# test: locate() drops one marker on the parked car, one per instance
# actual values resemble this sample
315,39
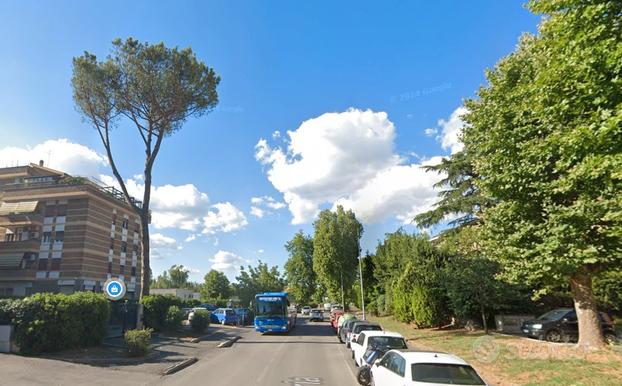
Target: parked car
186,311
398,367
334,318
340,322
363,375
209,307
367,339
316,316
336,307
306,310
561,325
357,328
225,316
345,329
193,310
328,306
244,315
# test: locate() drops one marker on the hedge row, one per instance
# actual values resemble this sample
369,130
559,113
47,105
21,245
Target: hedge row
51,322
156,313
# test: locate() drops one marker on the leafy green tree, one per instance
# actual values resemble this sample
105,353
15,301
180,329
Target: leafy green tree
162,281
254,280
299,272
336,250
179,276
216,286
156,88
545,140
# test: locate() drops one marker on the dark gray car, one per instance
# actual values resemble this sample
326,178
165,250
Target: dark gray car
343,332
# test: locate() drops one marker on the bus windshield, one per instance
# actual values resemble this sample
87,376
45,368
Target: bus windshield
270,307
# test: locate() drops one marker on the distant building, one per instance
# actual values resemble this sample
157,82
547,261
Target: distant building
60,233
181,293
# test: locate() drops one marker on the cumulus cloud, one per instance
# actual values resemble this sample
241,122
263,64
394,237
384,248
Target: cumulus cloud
257,212
346,158
161,241
451,130
228,263
262,206
61,154
191,237
430,132
223,217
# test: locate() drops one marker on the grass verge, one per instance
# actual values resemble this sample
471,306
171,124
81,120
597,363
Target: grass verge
510,360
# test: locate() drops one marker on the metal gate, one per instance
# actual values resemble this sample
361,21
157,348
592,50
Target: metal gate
123,317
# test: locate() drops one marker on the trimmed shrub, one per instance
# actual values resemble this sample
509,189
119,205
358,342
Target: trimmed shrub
155,308
200,321
137,342
53,322
173,318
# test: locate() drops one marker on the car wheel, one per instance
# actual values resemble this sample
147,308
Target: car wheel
222,322
553,336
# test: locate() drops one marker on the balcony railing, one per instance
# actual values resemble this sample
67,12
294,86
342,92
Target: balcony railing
43,182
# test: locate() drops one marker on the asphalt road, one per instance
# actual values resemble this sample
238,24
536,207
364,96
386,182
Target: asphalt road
308,355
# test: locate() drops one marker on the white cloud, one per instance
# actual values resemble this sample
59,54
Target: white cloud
276,134
223,217
228,263
451,130
430,132
346,158
257,212
260,251
191,237
262,206
161,241
61,154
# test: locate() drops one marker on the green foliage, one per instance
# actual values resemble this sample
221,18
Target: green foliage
216,286
608,291
200,321
299,272
51,322
175,277
137,342
156,307
253,280
173,318
336,250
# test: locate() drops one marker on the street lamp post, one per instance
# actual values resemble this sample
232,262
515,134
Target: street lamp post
362,289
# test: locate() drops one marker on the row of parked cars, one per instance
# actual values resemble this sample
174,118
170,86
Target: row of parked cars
230,316
383,358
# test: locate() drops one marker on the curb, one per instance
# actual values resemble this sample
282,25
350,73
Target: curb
180,365
230,342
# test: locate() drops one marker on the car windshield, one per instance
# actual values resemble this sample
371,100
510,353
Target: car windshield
553,315
229,312
270,307
393,342
366,327
445,373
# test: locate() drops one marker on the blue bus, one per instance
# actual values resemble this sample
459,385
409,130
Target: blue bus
273,313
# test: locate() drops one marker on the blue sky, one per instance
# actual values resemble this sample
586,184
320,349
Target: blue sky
282,63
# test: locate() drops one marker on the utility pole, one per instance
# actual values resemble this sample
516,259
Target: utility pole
362,290
343,304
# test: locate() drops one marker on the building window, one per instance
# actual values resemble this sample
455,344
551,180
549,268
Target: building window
133,271
61,210
47,236
114,219
125,223
6,291
43,264
111,244
59,236
55,266
122,269
124,246
109,267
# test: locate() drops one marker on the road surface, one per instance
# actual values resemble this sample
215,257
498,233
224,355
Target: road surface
308,355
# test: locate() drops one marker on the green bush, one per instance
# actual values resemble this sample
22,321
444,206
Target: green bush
200,321
52,322
137,342
173,318
155,308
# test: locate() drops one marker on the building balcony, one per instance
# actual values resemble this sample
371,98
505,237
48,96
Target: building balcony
31,245
21,219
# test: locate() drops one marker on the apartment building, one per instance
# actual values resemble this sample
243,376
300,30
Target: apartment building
60,233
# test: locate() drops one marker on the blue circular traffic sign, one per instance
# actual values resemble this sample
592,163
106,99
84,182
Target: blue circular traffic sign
114,289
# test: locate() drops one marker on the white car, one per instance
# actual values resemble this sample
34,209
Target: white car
306,310
366,339
398,367
357,328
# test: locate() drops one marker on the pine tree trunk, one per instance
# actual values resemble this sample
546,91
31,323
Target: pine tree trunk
590,333
145,279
